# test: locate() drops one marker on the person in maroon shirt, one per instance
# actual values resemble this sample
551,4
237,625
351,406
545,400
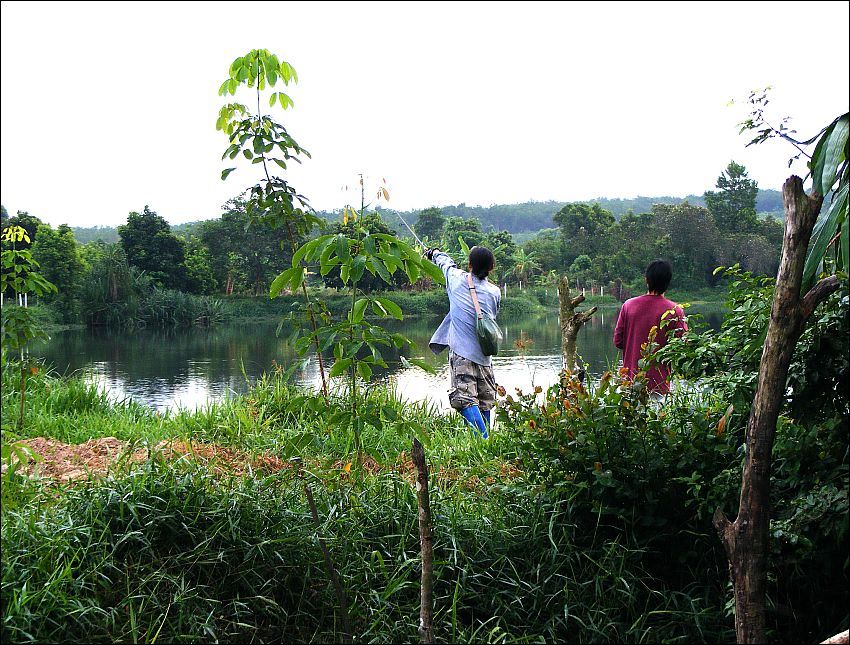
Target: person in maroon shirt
637,318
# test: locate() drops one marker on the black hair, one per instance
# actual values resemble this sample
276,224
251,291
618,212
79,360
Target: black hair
658,274
481,261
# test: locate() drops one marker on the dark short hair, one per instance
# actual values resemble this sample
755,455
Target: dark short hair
658,274
481,261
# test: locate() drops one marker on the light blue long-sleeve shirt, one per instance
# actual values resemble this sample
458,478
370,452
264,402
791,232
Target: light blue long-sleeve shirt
457,331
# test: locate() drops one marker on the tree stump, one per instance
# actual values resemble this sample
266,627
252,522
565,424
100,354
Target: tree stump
571,323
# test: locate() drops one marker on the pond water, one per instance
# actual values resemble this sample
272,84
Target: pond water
189,368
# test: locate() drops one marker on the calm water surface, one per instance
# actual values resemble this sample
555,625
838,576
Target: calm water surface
190,368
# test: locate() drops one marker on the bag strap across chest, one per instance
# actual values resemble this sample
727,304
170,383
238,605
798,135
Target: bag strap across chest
474,296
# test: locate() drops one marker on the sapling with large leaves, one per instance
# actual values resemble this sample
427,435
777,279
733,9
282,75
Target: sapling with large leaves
356,341
263,141
19,327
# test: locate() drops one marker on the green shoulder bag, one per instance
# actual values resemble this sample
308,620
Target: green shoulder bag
487,330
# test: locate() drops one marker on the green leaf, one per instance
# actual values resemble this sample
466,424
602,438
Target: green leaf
340,367
423,365
342,248
279,282
412,270
825,229
272,99
365,371
369,245
297,277
226,172
381,270
327,342
358,265
820,176
834,153
358,310
392,308
433,272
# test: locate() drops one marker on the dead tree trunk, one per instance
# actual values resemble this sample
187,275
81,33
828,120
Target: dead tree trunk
571,322
426,610
745,539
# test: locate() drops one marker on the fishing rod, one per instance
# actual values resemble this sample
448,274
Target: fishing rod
411,230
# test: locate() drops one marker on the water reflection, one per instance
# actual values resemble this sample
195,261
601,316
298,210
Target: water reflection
188,368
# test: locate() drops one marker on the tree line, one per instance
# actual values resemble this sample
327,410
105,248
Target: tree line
235,255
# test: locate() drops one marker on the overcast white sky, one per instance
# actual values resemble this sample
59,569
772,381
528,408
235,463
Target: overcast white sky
109,106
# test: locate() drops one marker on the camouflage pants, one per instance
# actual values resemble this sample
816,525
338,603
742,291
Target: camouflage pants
472,384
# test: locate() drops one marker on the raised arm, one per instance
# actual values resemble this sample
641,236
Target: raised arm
442,260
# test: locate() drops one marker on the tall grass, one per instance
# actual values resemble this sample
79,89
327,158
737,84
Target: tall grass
174,554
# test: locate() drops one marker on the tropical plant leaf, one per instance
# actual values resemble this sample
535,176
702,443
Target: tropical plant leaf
825,229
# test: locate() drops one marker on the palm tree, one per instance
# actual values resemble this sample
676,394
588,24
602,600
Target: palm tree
525,265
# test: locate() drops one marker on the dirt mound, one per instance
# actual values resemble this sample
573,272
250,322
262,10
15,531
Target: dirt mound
64,462
52,459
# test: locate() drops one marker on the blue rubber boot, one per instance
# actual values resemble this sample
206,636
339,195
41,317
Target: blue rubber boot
472,414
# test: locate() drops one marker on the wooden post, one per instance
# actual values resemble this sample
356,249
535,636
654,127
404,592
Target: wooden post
571,322
746,539
426,609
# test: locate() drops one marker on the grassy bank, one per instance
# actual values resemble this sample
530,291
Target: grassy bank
173,549
533,540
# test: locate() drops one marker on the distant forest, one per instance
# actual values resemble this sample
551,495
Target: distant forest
528,217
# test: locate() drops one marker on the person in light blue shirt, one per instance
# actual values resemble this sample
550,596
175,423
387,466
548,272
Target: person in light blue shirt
473,385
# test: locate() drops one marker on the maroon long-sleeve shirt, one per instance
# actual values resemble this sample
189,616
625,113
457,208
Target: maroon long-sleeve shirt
637,317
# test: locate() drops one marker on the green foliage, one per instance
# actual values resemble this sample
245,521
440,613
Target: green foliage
200,278
467,229
20,273
262,140
727,361
430,224
150,245
357,251
56,251
18,326
247,254
734,205
655,472
637,463
584,229
368,281
830,173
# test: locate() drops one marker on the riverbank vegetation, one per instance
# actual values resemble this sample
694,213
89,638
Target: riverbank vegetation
586,516
290,515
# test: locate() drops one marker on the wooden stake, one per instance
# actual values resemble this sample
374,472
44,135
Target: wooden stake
426,610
